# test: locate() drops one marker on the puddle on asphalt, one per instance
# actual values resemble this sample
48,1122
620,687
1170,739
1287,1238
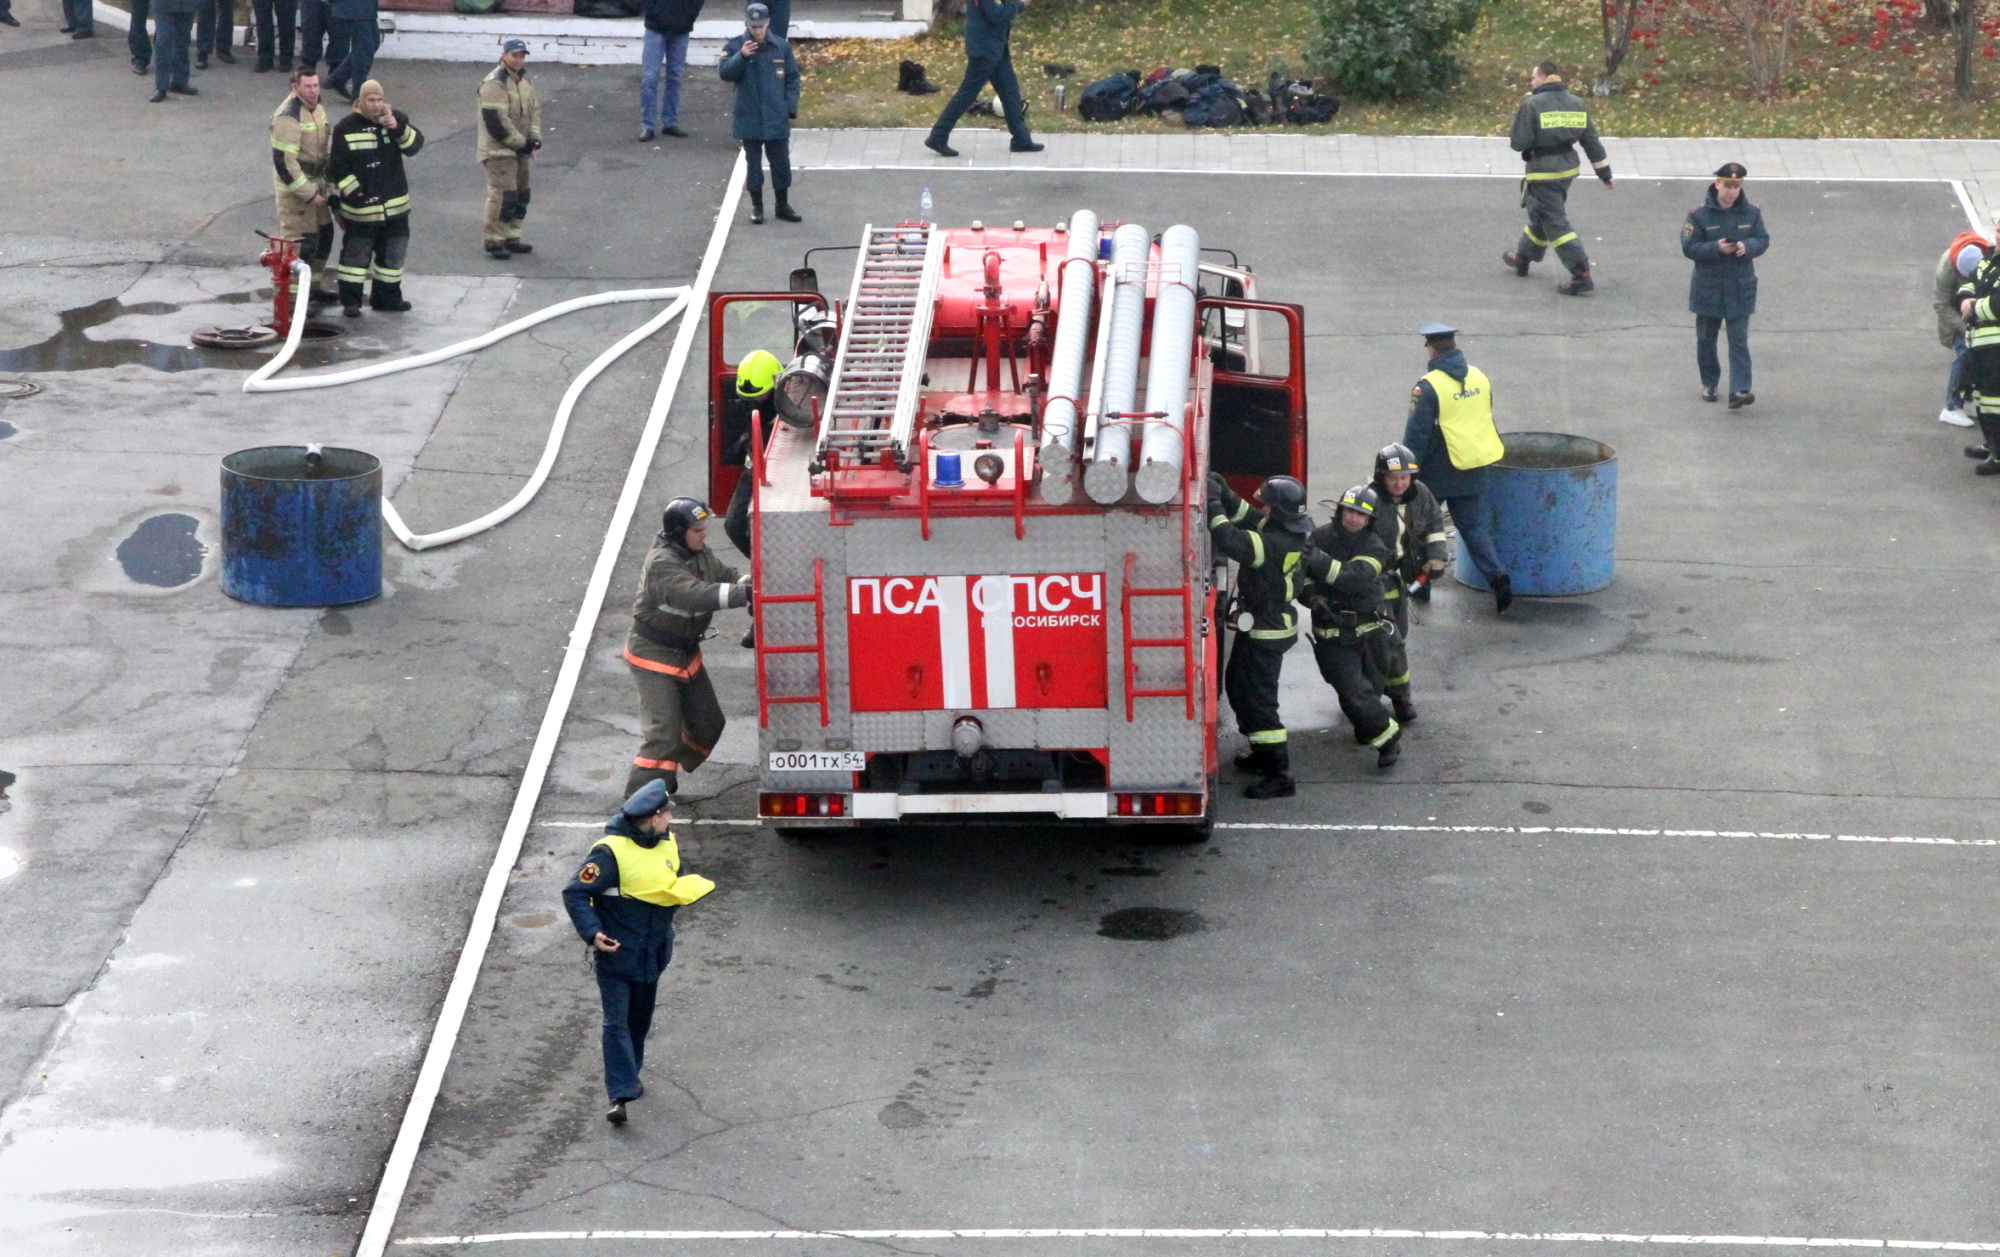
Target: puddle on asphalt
7,429
163,551
1150,925
72,349
128,1158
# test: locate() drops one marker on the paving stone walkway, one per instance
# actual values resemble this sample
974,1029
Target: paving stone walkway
1971,162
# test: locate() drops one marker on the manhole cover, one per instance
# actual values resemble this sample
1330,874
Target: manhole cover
13,387
235,337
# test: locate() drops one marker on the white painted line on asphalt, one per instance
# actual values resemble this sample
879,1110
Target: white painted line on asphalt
677,821
1588,832
416,1118
1972,214
1211,1233
1337,174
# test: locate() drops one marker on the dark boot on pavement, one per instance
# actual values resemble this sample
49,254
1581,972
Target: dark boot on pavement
1503,593
757,206
1578,283
1516,262
1250,761
1738,401
1277,781
517,246
1406,711
388,297
1390,751
937,145
616,1113
785,210
497,250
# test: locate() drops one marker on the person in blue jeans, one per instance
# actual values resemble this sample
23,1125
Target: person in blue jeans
173,28
668,25
78,20
766,76
989,25
622,901
355,29
1724,237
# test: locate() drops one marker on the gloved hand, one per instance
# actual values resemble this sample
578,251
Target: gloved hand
1217,486
745,594
534,146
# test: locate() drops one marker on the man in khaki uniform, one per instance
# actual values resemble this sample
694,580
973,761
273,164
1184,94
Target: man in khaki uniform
300,137
683,587
510,130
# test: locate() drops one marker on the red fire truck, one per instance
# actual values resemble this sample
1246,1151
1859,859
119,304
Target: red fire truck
983,587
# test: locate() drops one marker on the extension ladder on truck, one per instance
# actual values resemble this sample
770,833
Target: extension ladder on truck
871,406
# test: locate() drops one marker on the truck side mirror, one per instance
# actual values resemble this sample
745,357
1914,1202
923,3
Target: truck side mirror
804,279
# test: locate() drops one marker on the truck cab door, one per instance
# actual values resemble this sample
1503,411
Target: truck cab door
1257,402
739,324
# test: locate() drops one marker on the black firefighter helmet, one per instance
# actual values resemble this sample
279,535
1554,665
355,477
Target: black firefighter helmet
1394,456
1361,499
682,514
1285,498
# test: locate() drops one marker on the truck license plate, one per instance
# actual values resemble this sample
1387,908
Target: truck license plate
818,761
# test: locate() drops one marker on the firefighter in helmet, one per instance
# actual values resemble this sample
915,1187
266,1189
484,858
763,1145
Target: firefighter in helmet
756,381
1351,633
1411,525
684,584
1267,545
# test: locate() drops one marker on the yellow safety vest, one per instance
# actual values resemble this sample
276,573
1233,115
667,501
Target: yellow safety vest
653,874
1465,416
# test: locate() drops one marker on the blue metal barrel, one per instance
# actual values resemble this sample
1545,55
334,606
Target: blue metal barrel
1553,503
301,526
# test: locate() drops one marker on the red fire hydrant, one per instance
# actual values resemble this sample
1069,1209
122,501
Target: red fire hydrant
279,254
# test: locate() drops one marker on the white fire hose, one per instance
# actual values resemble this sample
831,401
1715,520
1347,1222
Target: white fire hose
260,381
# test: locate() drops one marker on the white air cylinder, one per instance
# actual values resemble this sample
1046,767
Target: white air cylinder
1164,443
1078,290
1108,475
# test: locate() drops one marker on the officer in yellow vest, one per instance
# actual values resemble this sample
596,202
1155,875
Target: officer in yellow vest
1451,434
622,903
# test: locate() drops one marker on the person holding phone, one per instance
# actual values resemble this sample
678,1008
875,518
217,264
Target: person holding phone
1723,237
766,76
621,902
365,167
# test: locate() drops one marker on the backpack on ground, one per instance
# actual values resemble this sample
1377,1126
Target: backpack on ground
1109,99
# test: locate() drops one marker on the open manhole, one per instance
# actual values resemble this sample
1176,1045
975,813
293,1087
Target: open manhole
261,336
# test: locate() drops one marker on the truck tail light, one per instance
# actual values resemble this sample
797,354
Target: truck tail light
807,805
1159,805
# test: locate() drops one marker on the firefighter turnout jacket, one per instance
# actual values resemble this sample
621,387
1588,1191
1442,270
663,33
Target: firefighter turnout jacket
365,166
510,114
1983,328
679,594
1268,556
1546,130
300,138
1412,530
1345,573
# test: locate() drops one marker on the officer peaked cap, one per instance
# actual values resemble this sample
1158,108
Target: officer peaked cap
757,13
1731,170
646,800
1436,331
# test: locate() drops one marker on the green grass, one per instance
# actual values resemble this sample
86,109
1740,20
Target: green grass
1698,84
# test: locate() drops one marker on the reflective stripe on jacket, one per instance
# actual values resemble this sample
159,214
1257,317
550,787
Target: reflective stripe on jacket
1347,576
365,166
1267,556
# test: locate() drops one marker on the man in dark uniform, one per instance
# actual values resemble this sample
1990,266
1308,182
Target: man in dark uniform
622,901
1545,133
365,167
766,75
683,586
1450,432
1722,237
989,26
1411,526
1351,634
756,377
1979,306
1267,545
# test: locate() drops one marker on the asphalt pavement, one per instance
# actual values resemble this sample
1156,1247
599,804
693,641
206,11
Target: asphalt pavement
249,840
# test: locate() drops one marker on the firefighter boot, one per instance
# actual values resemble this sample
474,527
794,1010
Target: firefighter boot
757,206
1516,262
388,297
1578,284
1503,593
350,299
1276,782
1389,747
1250,761
1406,711
785,210
640,776
1989,426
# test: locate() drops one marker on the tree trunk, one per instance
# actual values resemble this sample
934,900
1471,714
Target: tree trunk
1939,14
1968,34
1619,16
